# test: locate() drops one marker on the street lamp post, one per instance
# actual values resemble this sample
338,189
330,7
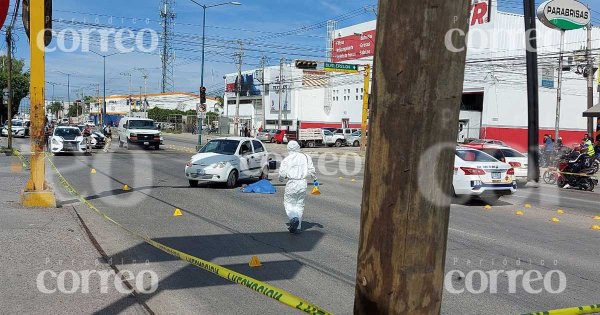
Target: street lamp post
102,117
204,7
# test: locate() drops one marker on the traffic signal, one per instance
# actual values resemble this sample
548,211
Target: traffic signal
48,20
202,95
306,64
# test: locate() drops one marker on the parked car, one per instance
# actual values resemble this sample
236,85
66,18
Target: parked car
516,159
479,143
267,135
280,135
138,131
332,139
478,174
20,128
227,160
98,140
345,132
354,138
66,139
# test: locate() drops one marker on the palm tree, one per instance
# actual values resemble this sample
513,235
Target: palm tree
56,108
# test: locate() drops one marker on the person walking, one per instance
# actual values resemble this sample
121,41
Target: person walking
295,168
108,135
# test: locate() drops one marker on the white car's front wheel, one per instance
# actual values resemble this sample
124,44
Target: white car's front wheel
232,179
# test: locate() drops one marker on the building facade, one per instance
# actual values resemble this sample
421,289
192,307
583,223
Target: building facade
494,102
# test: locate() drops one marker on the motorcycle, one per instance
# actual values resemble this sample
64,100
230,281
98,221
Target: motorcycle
575,170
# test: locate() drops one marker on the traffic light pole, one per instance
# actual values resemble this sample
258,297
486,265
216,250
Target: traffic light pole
37,192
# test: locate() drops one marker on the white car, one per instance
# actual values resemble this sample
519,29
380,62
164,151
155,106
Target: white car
20,128
227,160
478,174
511,156
66,139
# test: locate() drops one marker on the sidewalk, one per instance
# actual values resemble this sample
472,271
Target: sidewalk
48,243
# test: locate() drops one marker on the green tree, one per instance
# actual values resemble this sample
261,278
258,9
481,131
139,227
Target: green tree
211,117
20,83
75,109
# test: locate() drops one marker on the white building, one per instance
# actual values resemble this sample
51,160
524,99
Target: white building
494,103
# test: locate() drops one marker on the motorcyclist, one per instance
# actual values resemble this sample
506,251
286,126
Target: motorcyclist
296,167
587,148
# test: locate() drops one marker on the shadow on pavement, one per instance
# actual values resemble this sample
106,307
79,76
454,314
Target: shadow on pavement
475,202
210,247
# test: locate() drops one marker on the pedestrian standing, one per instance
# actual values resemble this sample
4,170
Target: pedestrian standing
108,135
295,168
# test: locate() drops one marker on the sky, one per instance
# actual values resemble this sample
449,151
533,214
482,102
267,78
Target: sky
275,29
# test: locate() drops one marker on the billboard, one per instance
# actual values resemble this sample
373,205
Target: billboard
357,45
249,86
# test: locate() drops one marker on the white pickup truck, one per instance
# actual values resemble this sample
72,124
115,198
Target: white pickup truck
314,137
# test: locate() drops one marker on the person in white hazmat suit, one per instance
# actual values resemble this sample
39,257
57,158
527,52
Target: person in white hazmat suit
296,167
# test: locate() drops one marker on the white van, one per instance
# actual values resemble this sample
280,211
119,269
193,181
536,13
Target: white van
138,131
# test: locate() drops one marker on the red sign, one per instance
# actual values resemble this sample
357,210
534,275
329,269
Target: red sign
3,11
358,46
354,46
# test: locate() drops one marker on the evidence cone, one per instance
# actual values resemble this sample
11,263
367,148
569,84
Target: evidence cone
520,213
555,220
597,218
316,191
126,188
488,207
93,171
177,213
560,211
528,206
596,227
255,262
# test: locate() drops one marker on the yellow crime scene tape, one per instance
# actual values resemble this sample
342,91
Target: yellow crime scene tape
567,173
235,277
588,309
263,288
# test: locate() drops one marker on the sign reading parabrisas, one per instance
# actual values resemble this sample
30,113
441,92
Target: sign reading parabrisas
564,14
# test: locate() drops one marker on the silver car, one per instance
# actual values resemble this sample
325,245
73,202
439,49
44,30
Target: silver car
267,135
354,139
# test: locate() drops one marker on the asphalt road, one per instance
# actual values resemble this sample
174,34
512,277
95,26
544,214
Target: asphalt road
228,227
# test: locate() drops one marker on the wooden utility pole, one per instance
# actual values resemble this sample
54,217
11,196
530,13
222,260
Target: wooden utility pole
590,79
410,157
365,108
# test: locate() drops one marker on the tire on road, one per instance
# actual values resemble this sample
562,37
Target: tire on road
356,144
232,179
193,183
338,143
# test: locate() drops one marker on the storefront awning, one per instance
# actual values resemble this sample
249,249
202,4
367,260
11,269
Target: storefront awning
592,112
